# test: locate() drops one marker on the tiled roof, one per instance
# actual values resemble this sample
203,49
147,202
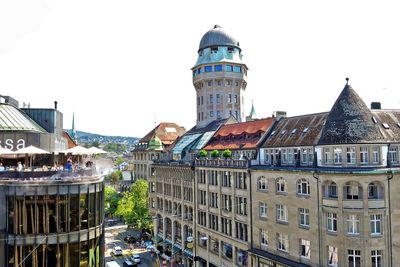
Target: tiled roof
243,135
302,130
13,119
167,132
388,122
350,121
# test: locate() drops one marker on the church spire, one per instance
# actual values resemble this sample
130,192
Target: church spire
73,132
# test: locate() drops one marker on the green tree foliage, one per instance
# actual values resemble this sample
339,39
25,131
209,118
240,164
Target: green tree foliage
114,178
202,153
118,161
111,199
227,153
215,153
133,206
115,147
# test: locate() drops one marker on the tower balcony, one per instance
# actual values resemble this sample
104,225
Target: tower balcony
218,75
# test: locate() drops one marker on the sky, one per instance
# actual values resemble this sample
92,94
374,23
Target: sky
122,66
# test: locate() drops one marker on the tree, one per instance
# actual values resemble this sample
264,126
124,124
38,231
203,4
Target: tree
111,199
133,206
215,153
202,153
227,153
118,161
114,178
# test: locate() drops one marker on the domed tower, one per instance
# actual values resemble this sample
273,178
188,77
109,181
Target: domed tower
219,77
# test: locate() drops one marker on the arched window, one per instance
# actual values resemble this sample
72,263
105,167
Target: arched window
330,190
303,187
352,190
262,183
375,191
281,185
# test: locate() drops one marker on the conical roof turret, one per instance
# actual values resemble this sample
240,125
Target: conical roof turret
349,121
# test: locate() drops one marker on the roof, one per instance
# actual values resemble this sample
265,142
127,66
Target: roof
391,131
302,130
167,132
70,142
243,135
13,119
350,121
217,37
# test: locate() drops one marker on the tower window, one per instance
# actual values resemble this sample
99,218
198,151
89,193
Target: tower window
230,98
228,83
236,98
230,49
218,68
236,83
208,68
229,68
211,99
209,83
202,100
237,69
214,49
218,98
219,83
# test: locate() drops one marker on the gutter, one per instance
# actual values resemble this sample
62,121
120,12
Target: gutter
390,177
315,175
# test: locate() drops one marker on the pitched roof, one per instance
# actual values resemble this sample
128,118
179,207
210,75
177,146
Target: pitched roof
302,130
350,121
388,122
13,119
243,135
167,132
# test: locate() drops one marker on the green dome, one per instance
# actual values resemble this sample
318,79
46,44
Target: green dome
155,143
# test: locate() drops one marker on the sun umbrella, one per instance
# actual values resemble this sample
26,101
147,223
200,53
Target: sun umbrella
31,151
5,151
95,150
77,150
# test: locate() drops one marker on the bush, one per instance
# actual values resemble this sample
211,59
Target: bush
227,153
202,153
215,154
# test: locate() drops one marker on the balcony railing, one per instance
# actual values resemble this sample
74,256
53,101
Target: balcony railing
376,203
353,204
230,163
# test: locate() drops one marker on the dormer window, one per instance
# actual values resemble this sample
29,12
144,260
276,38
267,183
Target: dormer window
385,125
214,49
305,130
273,133
374,120
230,49
398,124
283,132
293,131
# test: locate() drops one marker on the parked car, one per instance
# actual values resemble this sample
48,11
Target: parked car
136,258
128,263
117,251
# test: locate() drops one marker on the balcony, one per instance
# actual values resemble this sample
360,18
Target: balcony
376,204
353,204
222,163
330,202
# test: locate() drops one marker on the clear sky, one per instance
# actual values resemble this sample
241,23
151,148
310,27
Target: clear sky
121,65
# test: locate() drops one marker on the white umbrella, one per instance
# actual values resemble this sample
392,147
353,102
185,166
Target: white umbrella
77,150
31,150
94,150
5,151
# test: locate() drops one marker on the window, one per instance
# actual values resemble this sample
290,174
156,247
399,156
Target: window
283,242
284,154
332,190
262,183
303,187
375,154
304,217
230,98
218,114
338,155
240,180
373,192
208,68
198,101
376,258
227,202
280,185
219,83
333,259
211,113
364,155
228,83
229,68
211,99
226,225
393,154
281,213
236,114
263,209
351,155
241,205
213,201
305,248
236,98
376,222
353,224
331,222
218,68
237,69
304,155
263,238
226,179
226,250
209,83
241,231
352,191
202,197
213,221
354,258
327,155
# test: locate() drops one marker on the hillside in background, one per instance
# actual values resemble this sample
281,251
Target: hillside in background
110,143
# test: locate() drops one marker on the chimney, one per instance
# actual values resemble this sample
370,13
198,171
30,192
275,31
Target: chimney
280,115
55,105
376,105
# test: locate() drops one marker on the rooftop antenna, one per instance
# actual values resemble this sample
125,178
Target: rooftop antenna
347,80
